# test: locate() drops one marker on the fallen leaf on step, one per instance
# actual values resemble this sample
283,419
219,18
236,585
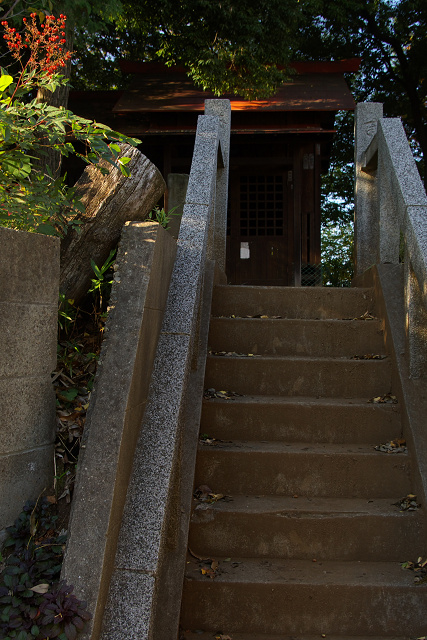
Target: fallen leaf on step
220,636
385,399
394,446
210,572
366,316
205,494
419,567
224,395
409,503
202,492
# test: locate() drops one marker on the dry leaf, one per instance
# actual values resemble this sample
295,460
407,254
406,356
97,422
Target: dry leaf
40,588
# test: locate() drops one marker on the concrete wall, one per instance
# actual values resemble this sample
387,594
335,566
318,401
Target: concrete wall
143,269
29,282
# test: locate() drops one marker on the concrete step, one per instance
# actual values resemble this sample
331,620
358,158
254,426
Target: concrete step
300,419
323,377
194,634
292,302
302,597
312,470
305,528
326,338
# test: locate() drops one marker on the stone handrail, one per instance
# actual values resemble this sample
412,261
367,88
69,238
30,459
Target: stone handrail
150,558
391,217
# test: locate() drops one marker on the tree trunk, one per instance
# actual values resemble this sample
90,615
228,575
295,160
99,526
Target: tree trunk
109,201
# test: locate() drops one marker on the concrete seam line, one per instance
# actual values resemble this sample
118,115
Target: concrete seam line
19,452
175,333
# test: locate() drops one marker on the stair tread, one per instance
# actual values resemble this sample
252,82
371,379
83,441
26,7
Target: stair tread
267,571
305,400
298,321
202,634
297,358
306,507
299,448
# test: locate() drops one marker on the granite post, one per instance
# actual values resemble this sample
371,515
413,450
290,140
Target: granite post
366,223
221,109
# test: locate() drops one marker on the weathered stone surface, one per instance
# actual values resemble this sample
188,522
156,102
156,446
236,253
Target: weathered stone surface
23,346
366,228
143,518
30,267
221,109
27,413
24,475
188,269
29,278
131,618
143,268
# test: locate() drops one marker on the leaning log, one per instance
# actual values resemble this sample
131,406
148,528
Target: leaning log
109,200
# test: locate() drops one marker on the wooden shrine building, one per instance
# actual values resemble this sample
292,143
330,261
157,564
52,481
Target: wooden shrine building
279,149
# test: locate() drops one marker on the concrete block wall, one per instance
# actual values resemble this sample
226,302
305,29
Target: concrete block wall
29,284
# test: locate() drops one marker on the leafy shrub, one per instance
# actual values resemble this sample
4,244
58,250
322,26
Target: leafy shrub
34,605
31,199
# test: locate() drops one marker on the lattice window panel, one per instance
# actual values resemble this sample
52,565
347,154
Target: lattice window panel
261,205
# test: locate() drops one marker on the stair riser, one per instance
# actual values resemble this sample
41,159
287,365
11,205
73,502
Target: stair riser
279,535
227,420
305,609
291,302
303,473
275,376
296,337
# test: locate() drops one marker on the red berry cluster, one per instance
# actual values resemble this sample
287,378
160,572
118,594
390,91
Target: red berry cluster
45,45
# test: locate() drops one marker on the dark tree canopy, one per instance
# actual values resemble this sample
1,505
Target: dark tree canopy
236,45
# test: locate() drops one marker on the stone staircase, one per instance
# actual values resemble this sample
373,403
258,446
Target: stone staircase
307,541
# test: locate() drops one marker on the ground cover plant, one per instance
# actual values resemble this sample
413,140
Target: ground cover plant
34,603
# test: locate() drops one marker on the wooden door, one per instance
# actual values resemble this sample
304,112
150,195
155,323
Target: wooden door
260,240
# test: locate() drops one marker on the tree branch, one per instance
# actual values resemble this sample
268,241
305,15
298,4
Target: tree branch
8,13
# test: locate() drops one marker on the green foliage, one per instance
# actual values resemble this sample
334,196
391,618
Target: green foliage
34,605
67,314
161,216
337,254
30,199
391,40
230,46
101,283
